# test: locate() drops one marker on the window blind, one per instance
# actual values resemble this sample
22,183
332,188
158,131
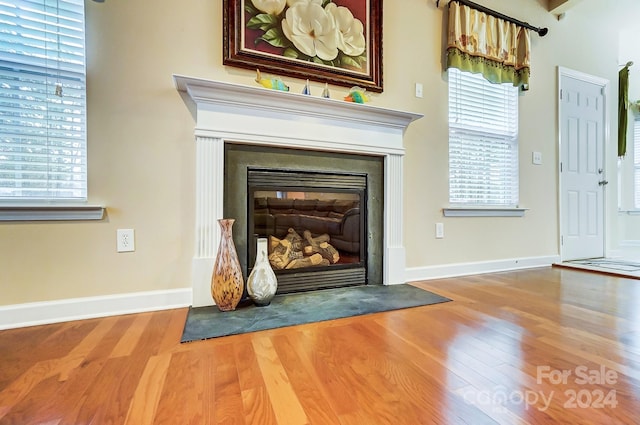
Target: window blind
636,162
483,141
42,100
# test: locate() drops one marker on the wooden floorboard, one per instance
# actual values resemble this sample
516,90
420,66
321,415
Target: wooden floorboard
491,356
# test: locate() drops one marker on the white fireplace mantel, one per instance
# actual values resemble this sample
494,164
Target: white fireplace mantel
232,113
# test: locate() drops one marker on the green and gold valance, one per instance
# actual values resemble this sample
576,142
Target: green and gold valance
481,43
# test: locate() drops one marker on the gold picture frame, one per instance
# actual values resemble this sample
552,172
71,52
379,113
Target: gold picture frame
333,41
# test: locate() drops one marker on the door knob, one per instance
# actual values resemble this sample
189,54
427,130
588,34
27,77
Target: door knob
603,182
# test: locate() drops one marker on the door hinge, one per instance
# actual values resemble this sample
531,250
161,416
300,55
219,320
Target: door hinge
561,167
560,94
561,240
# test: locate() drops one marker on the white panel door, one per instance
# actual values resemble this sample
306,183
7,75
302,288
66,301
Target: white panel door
582,177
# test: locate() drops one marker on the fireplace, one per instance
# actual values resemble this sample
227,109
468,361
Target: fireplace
331,203
231,115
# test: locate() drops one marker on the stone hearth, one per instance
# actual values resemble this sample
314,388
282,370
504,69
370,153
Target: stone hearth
231,113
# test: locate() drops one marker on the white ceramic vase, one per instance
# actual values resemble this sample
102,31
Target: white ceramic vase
262,283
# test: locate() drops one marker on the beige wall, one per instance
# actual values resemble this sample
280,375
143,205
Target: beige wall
141,149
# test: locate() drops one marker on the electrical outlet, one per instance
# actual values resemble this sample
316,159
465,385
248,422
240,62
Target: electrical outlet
536,158
439,230
126,240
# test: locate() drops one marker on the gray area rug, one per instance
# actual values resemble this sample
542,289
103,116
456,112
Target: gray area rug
621,265
307,307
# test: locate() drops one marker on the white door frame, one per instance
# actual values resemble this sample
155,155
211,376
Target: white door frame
604,83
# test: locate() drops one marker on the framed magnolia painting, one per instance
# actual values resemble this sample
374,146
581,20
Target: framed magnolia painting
333,41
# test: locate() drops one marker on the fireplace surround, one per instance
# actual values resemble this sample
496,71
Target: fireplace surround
228,113
270,190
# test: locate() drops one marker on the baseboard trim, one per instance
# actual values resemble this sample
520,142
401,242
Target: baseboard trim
414,274
48,312
630,243
42,313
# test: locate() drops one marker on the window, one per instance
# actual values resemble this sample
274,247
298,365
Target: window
42,101
636,162
483,142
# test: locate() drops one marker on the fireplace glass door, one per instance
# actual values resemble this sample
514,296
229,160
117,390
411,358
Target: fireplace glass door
314,224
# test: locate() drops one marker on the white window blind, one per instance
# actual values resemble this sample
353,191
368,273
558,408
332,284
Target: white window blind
42,100
636,162
483,141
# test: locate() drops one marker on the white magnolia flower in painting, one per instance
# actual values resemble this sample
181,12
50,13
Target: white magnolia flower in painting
350,30
293,2
312,30
272,7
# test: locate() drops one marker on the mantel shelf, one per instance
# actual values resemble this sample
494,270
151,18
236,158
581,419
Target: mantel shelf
203,91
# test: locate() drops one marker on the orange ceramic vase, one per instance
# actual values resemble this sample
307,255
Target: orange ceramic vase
227,283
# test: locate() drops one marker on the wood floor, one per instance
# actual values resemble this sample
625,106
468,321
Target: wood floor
540,346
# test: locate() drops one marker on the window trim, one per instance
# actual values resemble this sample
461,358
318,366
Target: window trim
483,212
53,212
636,162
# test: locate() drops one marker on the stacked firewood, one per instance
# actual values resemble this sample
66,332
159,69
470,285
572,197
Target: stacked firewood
295,251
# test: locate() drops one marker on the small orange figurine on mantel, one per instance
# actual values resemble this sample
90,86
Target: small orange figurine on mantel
227,283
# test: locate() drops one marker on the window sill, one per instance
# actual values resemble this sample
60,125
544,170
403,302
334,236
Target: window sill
51,212
629,212
483,212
